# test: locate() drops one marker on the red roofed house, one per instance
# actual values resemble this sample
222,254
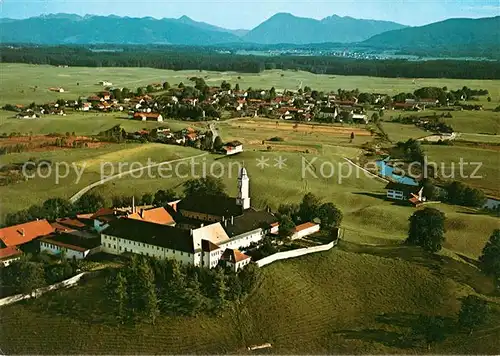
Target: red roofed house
23,233
144,116
9,255
235,259
233,147
305,229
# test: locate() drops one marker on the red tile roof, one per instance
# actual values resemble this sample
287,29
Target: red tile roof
23,233
155,215
9,252
304,226
234,256
152,115
208,246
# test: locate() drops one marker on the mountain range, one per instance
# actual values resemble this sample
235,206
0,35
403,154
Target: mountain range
286,28
282,28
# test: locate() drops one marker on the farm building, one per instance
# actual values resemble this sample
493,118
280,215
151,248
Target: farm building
400,191
235,259
9,255
148,116
233,147
57,89
70,245
304,230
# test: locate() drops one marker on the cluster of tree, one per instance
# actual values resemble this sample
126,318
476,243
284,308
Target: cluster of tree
30,272
311,208
160,198
427,229
459,193
55,208
183,58
468,93
146,287
114,134
474,312
206,186
17,148
411,150
490,257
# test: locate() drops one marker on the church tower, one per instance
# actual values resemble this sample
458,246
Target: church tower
243,199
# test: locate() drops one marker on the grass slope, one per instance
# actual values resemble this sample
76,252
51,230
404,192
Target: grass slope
319,303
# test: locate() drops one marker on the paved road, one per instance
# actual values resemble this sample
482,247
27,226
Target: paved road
79,194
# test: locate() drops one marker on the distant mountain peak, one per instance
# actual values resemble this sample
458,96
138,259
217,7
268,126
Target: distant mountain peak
284,27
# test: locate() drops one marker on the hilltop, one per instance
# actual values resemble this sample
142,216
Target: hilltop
287,28
473,35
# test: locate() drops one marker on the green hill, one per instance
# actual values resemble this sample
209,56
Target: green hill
479,36
351,299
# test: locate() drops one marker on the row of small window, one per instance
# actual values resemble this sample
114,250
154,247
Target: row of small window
144,245
54,247
142,253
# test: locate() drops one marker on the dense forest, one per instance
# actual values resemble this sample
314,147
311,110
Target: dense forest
189,58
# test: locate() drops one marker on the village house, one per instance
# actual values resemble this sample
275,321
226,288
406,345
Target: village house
404,192
360,118
57,89
235,259
144,116
27,115
233,147
9,254
328,113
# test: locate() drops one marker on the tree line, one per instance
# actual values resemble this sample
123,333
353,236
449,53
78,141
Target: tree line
145,288
182,58
35,271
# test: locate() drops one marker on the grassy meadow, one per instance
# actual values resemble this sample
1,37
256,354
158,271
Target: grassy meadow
448,160
349,300
19,81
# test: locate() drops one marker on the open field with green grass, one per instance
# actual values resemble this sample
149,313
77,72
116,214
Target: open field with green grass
448,160
349,300
19,81
471,137
80,123
90,161
400,132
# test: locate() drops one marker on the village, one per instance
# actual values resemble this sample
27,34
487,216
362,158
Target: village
201,102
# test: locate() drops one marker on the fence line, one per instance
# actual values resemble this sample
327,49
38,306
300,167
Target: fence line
294,253
70,282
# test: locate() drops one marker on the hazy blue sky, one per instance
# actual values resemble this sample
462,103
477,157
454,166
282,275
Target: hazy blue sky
249,13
